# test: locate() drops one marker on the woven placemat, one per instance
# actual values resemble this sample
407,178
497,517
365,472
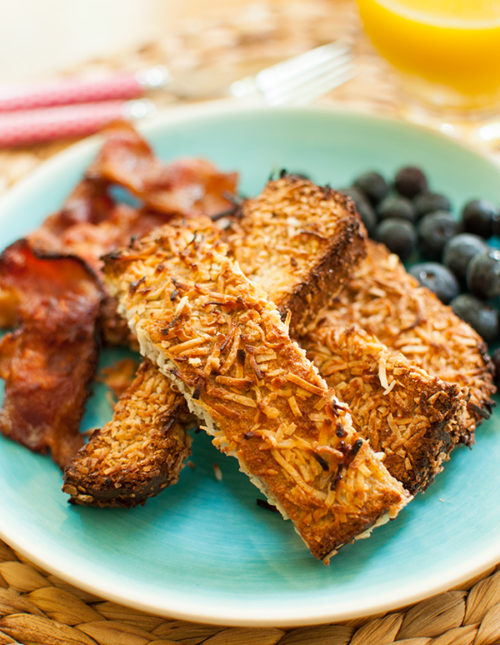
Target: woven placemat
39,608
36,607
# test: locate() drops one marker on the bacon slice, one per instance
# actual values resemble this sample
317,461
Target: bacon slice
184,187
91,224
48,363
216,336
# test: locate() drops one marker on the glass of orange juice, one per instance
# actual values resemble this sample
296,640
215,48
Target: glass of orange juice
447,51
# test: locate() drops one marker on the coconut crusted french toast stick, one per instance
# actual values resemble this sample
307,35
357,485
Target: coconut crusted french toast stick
223,344
402,411
138,453
300,241
387,302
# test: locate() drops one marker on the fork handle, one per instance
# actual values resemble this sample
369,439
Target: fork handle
117,85
27,127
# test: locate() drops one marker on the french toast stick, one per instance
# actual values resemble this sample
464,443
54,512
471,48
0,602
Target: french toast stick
222,343
139,452
387,302
308,238
299,242
402,411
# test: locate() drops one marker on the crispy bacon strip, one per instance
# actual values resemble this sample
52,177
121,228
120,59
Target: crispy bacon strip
186,186
47,363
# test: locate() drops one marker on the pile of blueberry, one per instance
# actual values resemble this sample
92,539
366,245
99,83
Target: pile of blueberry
452,255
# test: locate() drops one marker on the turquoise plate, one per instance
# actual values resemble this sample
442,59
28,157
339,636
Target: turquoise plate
203,550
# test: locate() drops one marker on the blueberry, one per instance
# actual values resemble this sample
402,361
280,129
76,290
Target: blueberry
373,186
434,231
410,181
429,202
483,274
398,235
478,217
478,314
438,279
396,206
364,208
496,364
496,226
460,250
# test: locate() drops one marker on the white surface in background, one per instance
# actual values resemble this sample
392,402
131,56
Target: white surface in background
39,37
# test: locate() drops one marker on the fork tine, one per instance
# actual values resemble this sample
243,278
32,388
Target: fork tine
286,81
302,64
328,84
306,88
302,76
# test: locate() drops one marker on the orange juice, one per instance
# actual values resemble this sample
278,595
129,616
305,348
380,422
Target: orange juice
448,50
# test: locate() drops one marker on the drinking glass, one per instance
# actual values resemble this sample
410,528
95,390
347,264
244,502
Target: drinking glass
446,52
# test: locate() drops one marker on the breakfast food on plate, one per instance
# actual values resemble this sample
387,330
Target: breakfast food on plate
298,241
390,304
184,187
338,432
90,223
139,452
49,361
223,344
459,266
413,418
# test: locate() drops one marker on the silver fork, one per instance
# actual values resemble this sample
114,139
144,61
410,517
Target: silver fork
299,80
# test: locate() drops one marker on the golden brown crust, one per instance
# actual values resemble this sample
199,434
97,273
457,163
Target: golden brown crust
383,299
412,417
299,242
218,338
139,452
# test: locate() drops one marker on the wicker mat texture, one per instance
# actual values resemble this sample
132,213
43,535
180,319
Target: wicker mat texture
38,608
